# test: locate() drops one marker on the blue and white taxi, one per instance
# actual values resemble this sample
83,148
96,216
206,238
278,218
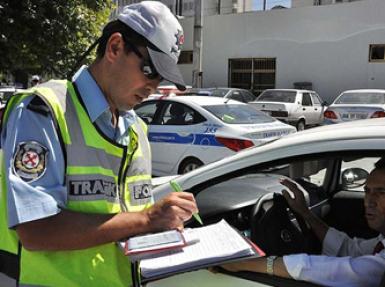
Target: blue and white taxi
186,132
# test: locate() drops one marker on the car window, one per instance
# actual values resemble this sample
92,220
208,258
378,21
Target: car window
247,96
311,174
315,99
306,101
278,96
219,92
238,114
361,98
180,114
352,177
147,112
236,95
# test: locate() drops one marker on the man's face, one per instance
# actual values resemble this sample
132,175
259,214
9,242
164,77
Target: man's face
375,200
128,86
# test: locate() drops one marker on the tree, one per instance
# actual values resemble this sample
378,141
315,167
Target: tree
47,37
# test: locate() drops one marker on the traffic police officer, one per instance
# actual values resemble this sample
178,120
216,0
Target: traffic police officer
77,163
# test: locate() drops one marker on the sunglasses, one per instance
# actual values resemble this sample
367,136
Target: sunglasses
147,67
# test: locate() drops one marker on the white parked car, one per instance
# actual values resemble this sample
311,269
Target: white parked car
300,108
5,93
186,132
331,163
356,105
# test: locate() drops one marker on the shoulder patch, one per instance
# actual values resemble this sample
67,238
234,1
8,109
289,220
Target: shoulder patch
30,161
39,106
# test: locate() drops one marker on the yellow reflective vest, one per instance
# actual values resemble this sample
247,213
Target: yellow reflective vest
101,177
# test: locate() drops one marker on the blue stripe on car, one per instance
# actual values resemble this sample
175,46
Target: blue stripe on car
194,139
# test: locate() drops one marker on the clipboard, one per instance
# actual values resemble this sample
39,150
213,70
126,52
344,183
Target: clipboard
222,230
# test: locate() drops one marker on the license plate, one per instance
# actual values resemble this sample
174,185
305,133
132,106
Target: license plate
354,116
267,112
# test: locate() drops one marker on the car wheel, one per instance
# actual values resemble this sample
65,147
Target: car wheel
189,164
300,125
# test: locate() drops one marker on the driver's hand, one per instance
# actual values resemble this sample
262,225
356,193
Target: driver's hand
298,203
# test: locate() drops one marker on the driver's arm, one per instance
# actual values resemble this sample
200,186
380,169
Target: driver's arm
258,265
298,204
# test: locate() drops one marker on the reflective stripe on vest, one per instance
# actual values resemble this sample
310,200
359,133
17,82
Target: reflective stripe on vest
101,177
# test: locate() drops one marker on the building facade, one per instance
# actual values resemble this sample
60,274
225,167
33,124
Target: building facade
210,7
302,3
329,48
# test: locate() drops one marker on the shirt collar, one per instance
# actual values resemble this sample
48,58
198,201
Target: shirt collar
93,98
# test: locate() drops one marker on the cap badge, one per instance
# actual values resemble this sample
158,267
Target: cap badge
179,42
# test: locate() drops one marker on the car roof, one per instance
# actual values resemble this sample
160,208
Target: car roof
364,91
349,136
203,100
290,90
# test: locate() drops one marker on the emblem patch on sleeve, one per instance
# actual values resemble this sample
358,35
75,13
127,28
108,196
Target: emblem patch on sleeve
30,161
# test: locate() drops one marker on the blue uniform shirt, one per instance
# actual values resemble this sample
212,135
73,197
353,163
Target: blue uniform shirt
46,195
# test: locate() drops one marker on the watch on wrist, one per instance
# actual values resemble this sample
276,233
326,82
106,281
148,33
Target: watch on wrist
270,264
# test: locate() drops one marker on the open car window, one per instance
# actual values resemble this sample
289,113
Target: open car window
355,171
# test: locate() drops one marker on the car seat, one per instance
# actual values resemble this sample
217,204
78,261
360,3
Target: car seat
177,115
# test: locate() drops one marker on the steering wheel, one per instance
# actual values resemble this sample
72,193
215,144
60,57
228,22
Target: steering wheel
273,230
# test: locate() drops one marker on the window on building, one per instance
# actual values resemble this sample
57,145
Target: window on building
186,57
377,53
255,74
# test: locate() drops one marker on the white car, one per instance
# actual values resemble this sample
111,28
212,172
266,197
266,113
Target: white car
331,163
186,132
5,93
356,105
300,108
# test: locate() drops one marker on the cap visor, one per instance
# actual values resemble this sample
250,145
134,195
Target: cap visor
167,68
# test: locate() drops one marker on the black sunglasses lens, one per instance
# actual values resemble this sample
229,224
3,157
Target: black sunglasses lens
149,71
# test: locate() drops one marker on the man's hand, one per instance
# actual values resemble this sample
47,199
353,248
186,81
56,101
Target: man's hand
172,211
298,203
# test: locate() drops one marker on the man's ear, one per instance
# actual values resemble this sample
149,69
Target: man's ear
115,45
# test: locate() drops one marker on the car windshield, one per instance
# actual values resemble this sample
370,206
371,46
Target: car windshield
219,92
238,114
277,96
361,98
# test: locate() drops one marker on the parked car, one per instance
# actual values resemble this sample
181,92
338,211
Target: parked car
356,105
186,132
300,108
330,163
167,89
5,93
241,95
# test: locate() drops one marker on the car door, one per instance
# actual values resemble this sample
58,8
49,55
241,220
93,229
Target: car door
171,138
308,109
318,108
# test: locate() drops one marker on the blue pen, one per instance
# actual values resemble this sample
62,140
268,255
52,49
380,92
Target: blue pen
176,187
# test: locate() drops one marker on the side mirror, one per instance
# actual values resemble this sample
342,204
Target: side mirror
353,177
325,103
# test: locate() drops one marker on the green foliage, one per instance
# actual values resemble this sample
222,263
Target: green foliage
47,37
